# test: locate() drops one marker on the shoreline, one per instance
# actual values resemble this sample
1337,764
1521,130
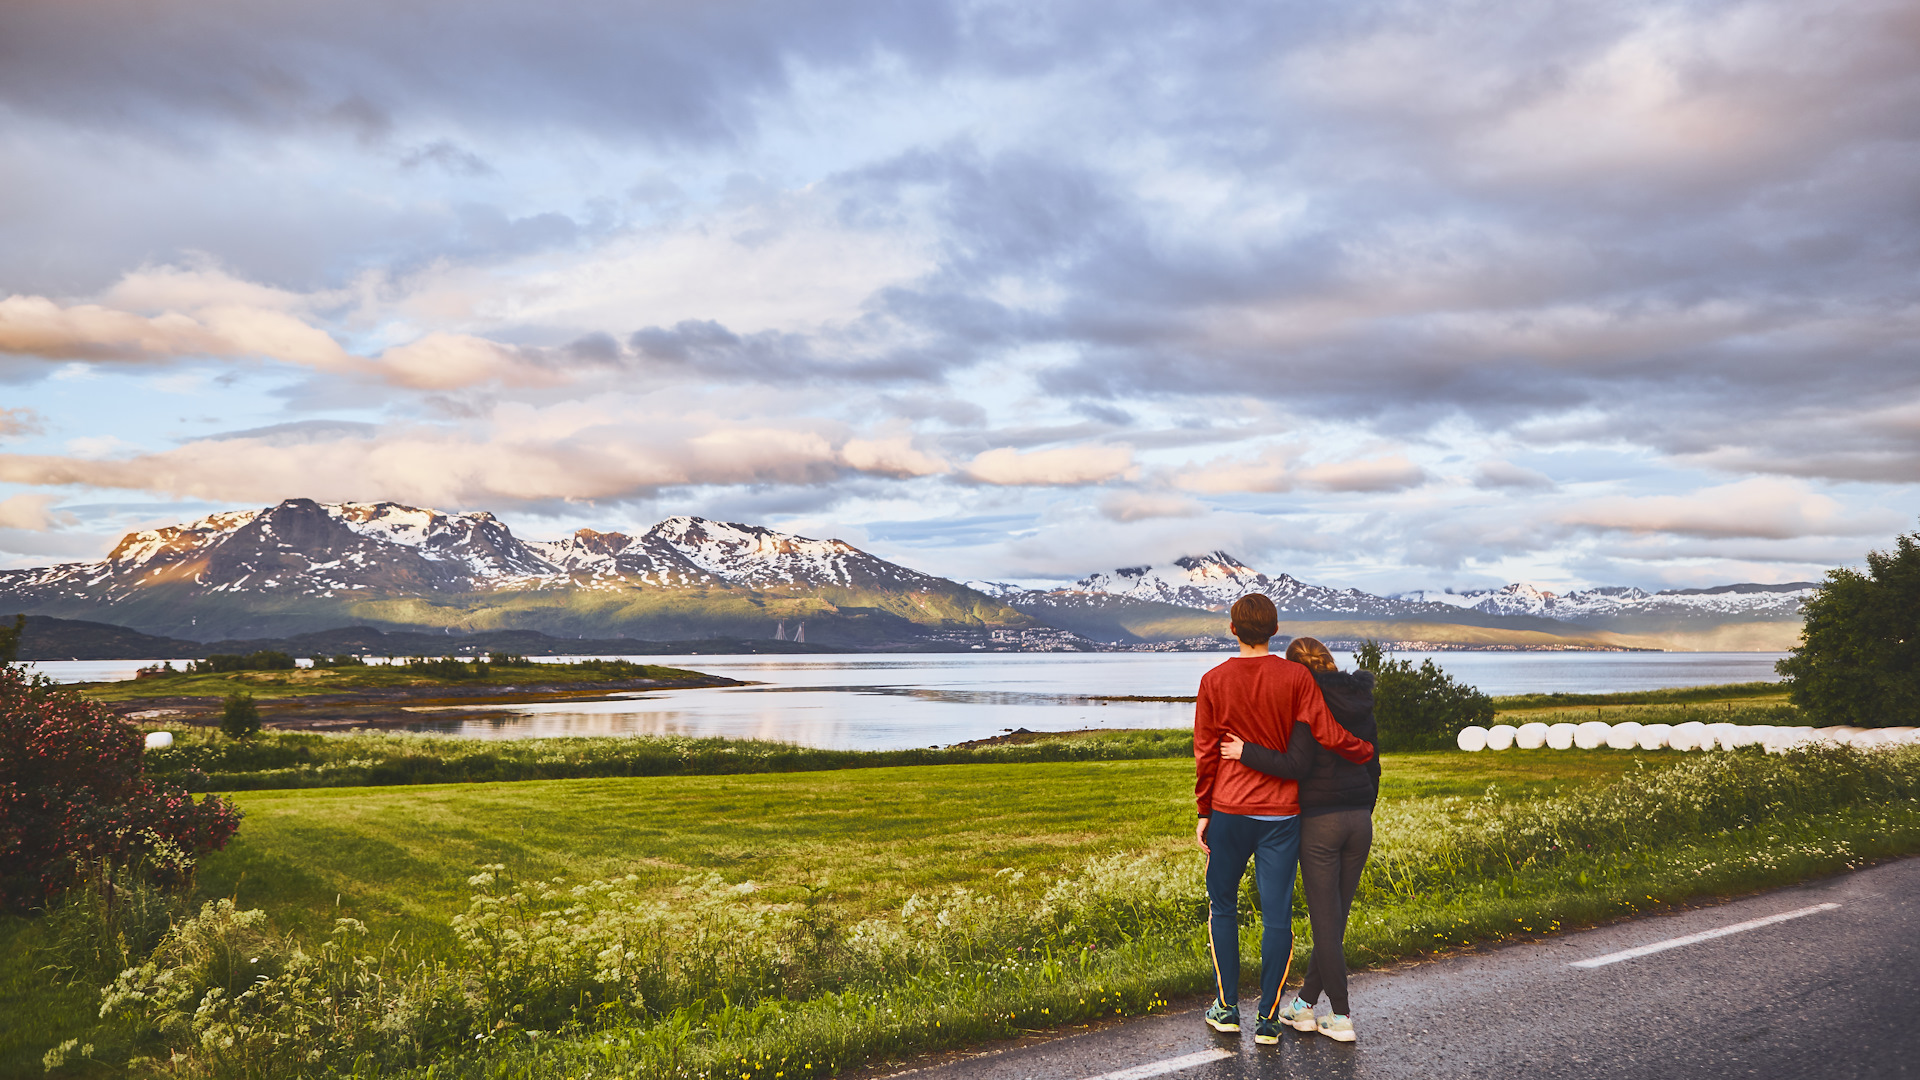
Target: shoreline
389,708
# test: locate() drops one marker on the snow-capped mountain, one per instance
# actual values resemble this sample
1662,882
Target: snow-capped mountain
305,562
1210,582
1609,603
307,548
298,548
1215,580
1134,601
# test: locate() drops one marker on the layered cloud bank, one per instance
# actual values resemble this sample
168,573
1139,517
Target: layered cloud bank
1388,294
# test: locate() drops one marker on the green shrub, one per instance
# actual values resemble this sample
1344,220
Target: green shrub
264,660
1419,708
339,660
75,791
1858,661
239,716
447,667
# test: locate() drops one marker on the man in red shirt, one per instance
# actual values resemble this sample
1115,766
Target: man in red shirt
1246,814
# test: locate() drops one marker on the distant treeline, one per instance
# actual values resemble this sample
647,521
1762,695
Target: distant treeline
47,638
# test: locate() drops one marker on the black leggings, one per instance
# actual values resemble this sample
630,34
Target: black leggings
1333,849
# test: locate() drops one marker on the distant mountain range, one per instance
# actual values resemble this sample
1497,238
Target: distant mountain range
1165,600
302,567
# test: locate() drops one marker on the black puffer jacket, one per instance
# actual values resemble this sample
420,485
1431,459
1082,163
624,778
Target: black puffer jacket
1328,781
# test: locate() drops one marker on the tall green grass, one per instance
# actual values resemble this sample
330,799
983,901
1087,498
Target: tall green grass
1678,695
206,761
709,978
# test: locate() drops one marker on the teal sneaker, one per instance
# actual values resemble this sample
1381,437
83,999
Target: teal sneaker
1298,1015
1337,1027
1223,1017
1267,1031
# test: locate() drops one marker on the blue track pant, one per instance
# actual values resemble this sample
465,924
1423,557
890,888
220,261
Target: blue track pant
1274,847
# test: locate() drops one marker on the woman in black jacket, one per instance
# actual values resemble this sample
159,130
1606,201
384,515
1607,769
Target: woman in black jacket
1336,828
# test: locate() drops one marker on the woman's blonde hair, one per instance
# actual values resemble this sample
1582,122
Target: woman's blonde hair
1309,651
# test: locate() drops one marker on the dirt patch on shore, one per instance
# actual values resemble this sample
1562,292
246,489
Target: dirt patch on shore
1021,736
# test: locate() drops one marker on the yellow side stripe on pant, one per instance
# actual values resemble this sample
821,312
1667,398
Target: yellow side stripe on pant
1282,992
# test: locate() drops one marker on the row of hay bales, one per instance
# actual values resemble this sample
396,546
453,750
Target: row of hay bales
1693,735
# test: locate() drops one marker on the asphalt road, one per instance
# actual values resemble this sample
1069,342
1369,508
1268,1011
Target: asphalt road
1833,994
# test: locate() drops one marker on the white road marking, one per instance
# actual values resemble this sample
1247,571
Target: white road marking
1704,935
1161,1068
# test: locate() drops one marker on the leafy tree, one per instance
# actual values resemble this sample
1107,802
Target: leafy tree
1858,661
10,639
74,793
239,716
1419,708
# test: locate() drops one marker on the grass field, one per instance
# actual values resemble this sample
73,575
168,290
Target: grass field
399,857
1014,896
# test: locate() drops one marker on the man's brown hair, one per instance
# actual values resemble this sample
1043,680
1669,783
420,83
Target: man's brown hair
1309,651
1254,619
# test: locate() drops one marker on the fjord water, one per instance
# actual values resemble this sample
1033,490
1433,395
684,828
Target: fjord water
874,702
886,701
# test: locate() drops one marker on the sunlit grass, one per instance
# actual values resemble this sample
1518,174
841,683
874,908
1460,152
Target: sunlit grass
1049,893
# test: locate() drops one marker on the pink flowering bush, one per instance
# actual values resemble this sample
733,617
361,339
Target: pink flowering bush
74,791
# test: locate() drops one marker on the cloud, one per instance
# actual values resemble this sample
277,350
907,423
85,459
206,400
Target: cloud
1639,242
520,456
1066,466
1497,475
21,421
38,327
1141,506
894,457
1391,473
1277,469
32,513
1759,508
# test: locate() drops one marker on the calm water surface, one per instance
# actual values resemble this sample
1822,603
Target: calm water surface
878,701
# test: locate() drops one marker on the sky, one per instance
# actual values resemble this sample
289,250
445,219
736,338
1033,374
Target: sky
1384,295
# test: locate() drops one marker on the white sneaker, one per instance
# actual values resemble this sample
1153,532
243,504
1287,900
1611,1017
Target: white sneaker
1298,1015
1337,1027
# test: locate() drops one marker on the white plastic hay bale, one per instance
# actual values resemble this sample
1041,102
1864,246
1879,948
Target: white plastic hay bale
1592,735
1901,736
1691,735
1501,736
159,740
1560,736
1723,735
1624,736
1472,738
1739,735
1655,736
1531,736
1779,740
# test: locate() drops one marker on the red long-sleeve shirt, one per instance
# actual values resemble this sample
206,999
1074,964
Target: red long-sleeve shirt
1258,698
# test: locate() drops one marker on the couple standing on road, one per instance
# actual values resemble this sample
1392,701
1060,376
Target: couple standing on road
1288,775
